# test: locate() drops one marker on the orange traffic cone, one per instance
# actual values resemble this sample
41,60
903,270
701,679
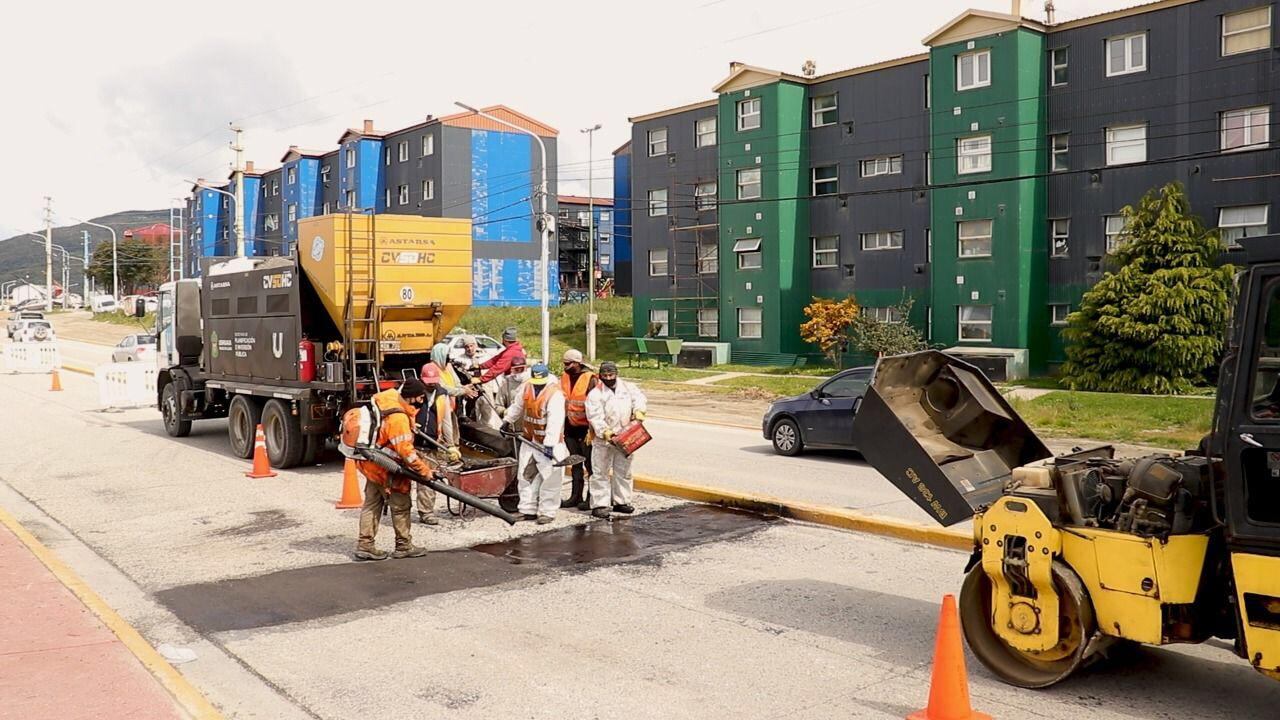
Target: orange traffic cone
56,385
261,465
350,487
949,688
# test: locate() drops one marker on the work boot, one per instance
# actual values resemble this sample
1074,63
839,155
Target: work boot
528,516
584,506
428,518
624,509
409,551
370,553
571,502
602,513
545,519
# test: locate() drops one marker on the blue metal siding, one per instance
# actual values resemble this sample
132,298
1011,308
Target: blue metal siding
249,214
501,181
371,178
510,282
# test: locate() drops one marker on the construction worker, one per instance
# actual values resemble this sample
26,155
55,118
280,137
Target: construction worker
385,490
498,364
506,391
541,410
449,380
611,406
575,383
438,422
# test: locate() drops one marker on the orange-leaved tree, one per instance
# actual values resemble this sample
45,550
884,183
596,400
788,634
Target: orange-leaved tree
828,326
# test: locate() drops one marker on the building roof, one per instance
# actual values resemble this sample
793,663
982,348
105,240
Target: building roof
1120,13
468,119
294,152
623,148
972,24
583,200
671,111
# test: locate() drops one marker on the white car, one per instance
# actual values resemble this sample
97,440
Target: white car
135,348
15,320
487,347
34,331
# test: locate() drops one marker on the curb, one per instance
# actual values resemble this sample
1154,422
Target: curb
188,697
77,369
818,514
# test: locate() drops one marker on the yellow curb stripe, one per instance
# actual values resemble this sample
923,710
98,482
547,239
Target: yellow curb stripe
187,696
841,518
701,421
77,369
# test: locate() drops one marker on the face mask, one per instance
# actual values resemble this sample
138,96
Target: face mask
609,382
417,402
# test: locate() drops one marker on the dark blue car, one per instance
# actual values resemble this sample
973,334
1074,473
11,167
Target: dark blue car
821,418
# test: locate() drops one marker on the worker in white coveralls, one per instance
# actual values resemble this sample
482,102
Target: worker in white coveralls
611,405
541,410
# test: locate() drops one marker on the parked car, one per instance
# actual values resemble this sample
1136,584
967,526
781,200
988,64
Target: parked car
34,331
135,348
487,346
16,318
821,418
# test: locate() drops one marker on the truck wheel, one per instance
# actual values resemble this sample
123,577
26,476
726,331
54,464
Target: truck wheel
174,423
243,415
312,446
284,435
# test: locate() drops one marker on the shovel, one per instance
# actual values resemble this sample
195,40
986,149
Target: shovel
567,462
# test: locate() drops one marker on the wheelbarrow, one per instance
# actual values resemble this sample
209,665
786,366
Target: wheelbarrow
484,478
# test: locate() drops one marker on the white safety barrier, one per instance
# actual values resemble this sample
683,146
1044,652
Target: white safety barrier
31,357
126,385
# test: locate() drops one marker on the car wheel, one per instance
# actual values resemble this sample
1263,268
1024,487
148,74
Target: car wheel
243,416
283,433
786,438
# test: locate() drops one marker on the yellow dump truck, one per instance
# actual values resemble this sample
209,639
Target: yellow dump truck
293,342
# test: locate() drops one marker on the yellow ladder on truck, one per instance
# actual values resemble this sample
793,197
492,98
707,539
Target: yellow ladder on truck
364,369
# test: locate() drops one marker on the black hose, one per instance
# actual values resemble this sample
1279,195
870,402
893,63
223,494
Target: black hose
393,465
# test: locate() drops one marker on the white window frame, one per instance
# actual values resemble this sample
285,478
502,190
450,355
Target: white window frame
749,251
972,233
1256,128
883,165
749,114
428,145
275,187
1113,239
1129,67
704,196
291,176
1113,145
1056,153
324,174
659,262
429,189
293,212
977,57
658,198
386,155
820,255
1060,228
1244,226
604,216
758,184
1255,28
708,257
757,323
886,314
881,240
961,323
1055,65
817,115
386,196
351,199
702,137
326,207
402,193
351,157
661,318
708,327
975,152
815,181
270,223
1053,314
657,141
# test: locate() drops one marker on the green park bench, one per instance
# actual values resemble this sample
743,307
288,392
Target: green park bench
659,349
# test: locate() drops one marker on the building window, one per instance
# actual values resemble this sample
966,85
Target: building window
1246,31
659,321
275,187
428,144
1126,144
882,240
351,157
604,216
825,180
584,217
708,322
1058,313
1058,66
225,202
293,213
271,222
402,193
973,155
826,251
351,199
973,70
658,262
404,150
889,165
928,168
749,184
657,142
928,90
428,189
704,132
1060,234
657,202
1113,230
708,257
326,209
748,114
1245,221
386,155
291,175
749,323
975,323
823,110
884,314
324,174
1246,129
704,196
224,233
1059,144
974,237
1126,54
604,260
749,255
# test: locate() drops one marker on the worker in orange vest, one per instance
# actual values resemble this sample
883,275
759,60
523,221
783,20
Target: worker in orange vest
439,422
575,383
541,411
383,489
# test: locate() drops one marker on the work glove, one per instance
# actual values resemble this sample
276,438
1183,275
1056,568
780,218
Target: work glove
507,429
549,452
455,455
608,435
639,415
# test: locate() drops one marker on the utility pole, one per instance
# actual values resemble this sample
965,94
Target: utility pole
591,245
84,282
48,253
238,174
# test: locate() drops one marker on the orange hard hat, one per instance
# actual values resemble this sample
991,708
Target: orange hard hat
430,374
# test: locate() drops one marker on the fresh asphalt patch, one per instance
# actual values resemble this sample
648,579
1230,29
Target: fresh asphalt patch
321,591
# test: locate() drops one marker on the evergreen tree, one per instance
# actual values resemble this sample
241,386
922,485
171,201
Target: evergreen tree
141,265
1154,324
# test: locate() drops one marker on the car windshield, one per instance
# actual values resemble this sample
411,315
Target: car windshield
487,343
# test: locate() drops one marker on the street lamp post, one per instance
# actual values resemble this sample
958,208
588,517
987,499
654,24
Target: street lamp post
115,257
544,222
591,246
67,257
235,208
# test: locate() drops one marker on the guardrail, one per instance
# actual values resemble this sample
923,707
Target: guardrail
31,357
126,385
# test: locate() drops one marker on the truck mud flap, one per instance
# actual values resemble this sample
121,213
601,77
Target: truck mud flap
941,433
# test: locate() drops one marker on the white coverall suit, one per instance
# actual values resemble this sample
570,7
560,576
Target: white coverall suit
611,410
506,391
539,480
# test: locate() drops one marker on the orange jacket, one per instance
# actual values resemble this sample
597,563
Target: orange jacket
575,397
396,432
535,413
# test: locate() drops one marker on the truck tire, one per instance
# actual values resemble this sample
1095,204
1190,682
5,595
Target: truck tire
312,446
284,435
171,410
243,415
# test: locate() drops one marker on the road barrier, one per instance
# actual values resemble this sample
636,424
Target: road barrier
29,357
126,385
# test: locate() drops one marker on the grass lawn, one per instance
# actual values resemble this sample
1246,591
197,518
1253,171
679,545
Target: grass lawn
147,321
768,388
1172,422
568,326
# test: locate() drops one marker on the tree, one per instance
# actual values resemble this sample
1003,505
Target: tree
1155,324
140,264
828,326
893,337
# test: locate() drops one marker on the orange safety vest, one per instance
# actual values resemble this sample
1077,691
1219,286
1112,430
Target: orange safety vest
575,397
535,413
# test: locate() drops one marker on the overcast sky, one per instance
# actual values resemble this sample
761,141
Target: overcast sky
111,105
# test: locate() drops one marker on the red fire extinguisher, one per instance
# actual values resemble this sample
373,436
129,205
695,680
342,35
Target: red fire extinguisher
306,360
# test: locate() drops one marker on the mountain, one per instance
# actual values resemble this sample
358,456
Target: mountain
23,255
